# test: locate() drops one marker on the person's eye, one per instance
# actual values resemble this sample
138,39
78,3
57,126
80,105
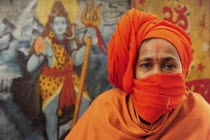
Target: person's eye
169,67
146,65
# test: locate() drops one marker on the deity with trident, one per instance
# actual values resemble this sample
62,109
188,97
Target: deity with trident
56,52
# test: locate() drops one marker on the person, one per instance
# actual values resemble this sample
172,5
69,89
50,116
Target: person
56,53
148,62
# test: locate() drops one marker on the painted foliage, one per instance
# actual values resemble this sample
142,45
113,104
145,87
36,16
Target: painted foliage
43,51
196,23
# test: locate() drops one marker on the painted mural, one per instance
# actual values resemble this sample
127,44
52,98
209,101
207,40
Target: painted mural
47,44
193,17
52,52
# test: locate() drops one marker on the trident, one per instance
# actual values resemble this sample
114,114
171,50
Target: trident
93,21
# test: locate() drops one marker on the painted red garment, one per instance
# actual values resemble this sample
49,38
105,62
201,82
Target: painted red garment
123,48
67,96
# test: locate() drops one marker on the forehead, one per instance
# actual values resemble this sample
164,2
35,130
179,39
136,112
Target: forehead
59,18
157,47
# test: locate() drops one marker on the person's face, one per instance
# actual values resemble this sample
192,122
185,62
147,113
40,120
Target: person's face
157,56
59,25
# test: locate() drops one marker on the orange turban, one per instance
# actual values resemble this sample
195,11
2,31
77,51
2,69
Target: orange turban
131,30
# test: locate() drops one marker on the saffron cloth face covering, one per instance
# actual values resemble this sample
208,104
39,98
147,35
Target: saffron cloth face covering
158,94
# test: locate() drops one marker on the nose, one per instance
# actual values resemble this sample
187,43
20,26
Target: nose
156,69
60,25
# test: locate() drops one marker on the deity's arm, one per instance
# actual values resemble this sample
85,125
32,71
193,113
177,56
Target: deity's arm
34,62
77,55
38,56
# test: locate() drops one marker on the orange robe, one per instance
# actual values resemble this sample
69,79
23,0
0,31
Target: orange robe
112,117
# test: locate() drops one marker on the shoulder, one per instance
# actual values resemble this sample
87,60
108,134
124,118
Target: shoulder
196,100
196,112
197,106
111,102
107,103
113,96
112,93
103,107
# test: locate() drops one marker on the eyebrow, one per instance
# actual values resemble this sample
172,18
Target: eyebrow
169,58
